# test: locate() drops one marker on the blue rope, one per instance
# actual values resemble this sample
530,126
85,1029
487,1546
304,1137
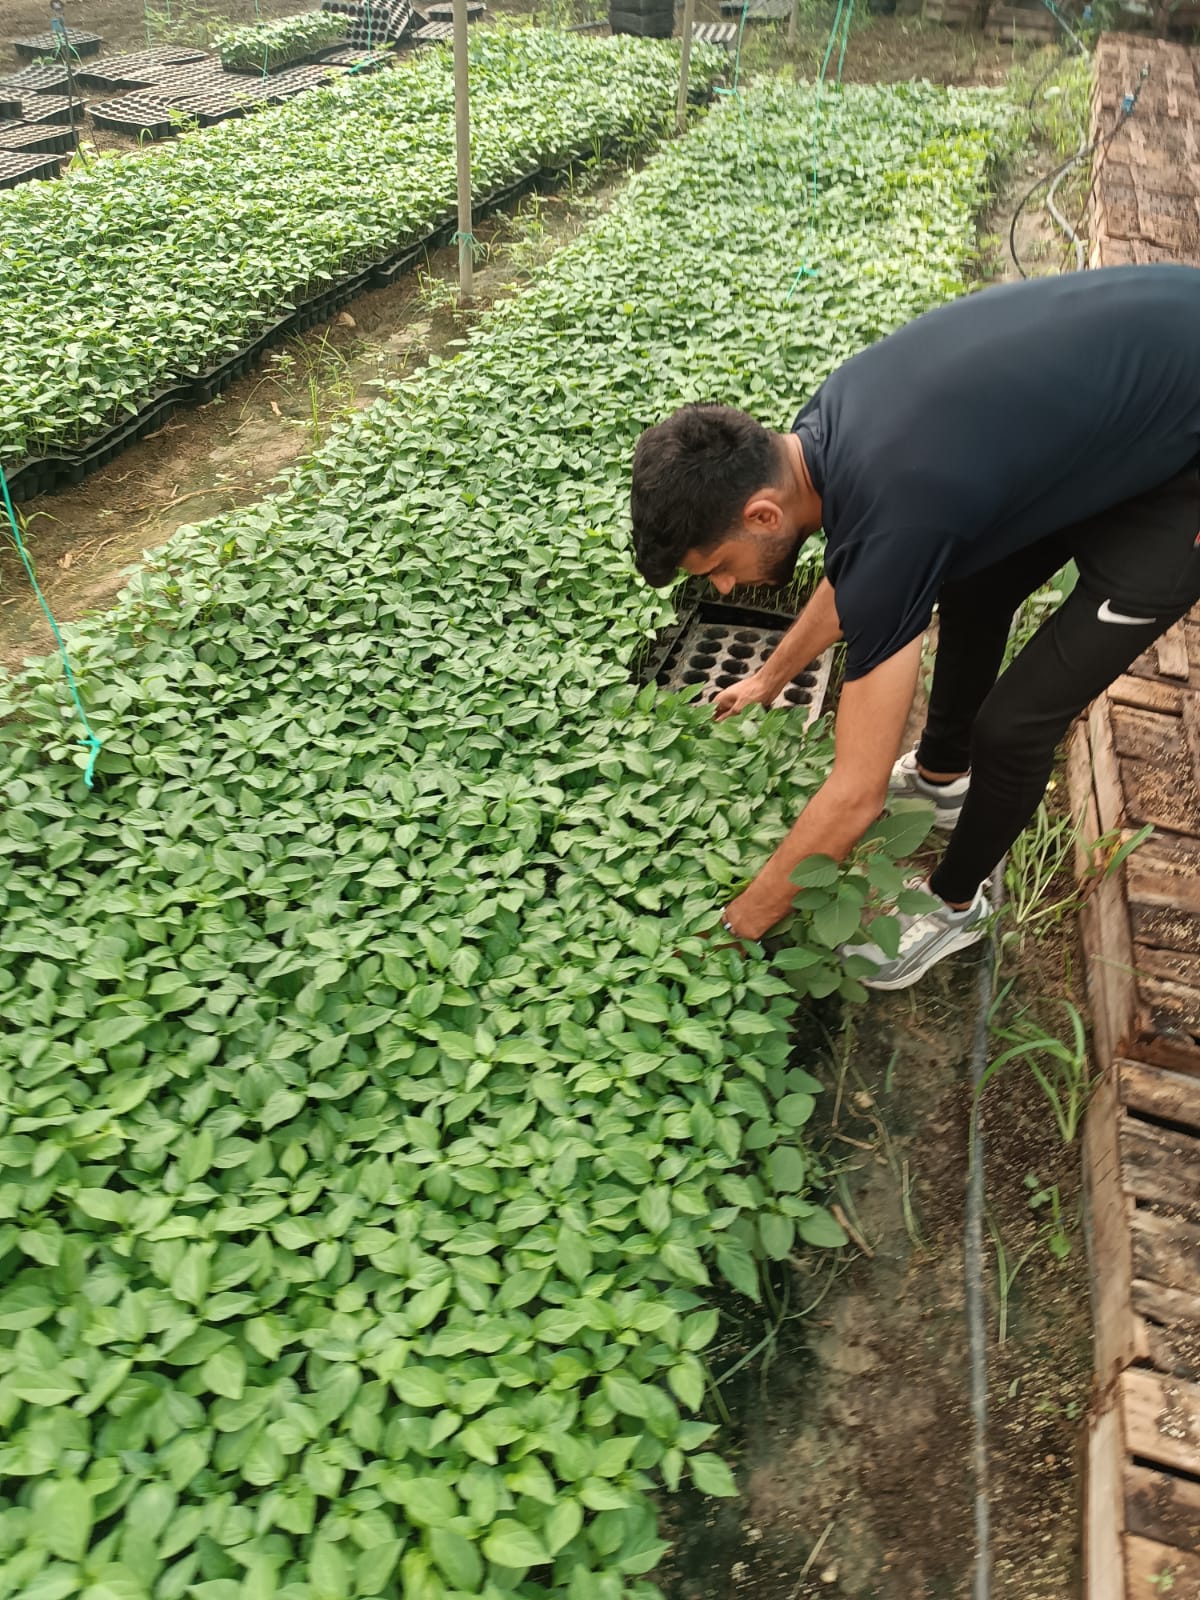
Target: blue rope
735,93
806,270
91,741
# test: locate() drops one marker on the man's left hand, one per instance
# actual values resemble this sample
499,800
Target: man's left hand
754,914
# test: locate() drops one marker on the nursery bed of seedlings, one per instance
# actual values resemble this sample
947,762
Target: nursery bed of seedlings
266,46
278,210
377,1116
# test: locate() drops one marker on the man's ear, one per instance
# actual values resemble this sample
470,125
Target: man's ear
763,511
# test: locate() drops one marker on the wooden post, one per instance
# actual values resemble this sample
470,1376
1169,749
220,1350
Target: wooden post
793,22
685,59
462,132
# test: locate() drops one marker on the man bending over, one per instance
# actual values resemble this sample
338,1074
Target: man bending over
962,461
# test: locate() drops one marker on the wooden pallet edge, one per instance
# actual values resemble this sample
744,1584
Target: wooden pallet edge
1158,1092
1161,1420
1158,1572
1118,1333
1104,1508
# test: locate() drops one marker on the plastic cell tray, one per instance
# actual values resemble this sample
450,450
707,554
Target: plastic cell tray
16,169
138,115
443,11
36,80
11,110
719,645
42,108
26,138
434,33
135,70
49,44
360,62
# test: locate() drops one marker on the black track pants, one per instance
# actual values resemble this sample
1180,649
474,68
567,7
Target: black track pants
1139,571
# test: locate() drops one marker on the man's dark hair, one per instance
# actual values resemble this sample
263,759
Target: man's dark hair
692,475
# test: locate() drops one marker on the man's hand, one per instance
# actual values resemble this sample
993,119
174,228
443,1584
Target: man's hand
754,912
756,690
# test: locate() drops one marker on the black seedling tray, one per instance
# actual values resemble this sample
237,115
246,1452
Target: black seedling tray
25,137
36,80
434,33
443,11
136,70
16,169
10,110
41,108
49,44
716,645
360,62
139,115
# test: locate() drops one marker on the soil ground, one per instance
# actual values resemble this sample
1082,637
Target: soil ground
848,1409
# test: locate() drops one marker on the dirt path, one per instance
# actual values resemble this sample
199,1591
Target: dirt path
853,1423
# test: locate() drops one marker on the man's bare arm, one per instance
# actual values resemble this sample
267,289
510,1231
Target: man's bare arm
814,630
870,725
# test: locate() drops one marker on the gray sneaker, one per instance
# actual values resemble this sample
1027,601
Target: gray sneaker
925,938
906,783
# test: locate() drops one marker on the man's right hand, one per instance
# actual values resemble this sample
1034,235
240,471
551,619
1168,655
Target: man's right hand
755,690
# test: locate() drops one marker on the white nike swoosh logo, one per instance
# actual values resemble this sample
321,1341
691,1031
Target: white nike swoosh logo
1106,614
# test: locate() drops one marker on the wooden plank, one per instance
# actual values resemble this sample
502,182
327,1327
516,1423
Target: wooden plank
1151,694
1174,1349
1160,1165
1163,927
1169,1308
1112,1257
1165,871
1172,653
1080,795
1170,1096
1169,1010
1106,776
1190,718
1104,1509
1111,973
1144,735
1157,1572
1163,1508
1162,1420
1178,967
1166,1250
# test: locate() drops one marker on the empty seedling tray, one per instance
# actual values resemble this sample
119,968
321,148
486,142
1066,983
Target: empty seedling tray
10,110
26,138
134,70
140,115
718,645
42,108
16,169
36,80
49,44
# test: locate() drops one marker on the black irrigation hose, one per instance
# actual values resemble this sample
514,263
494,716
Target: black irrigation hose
1128,106
1047,177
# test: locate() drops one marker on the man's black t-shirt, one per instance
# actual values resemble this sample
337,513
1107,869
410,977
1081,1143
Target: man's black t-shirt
990,423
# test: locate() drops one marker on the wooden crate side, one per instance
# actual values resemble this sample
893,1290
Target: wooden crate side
1158,1092
1165,1250
1156,1572
1104,1509
1163,1508
1116,1331
1161,1420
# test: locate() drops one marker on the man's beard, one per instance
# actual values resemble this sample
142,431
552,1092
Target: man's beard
779,573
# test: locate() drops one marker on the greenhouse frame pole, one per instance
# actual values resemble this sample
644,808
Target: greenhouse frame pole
685,61
462,134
